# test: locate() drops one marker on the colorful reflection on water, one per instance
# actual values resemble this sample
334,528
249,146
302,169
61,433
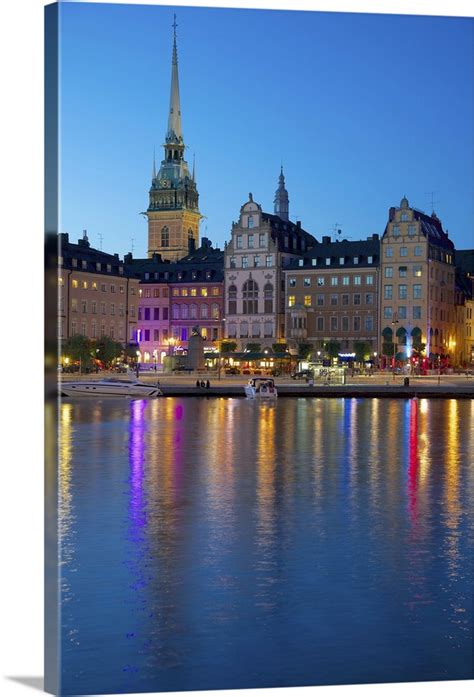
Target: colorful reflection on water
220,544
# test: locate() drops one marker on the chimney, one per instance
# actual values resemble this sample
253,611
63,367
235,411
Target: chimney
191,245
298,224
375,236
391,213
128,258
206,243
326,239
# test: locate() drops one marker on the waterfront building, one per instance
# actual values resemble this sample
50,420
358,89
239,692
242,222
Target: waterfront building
332,296
417,277
173,211
174,297
261,245
96,295
465,308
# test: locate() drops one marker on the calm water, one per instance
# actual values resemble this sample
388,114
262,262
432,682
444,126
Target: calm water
219,543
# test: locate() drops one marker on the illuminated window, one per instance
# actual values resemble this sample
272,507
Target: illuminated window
204,292
215,311
140,292
74,263
184,292
356,260
215,291
417,271
147,293
193,292
85,285
291,300
75,284
74,305
175,292
94,285
307,300
60,282
122,289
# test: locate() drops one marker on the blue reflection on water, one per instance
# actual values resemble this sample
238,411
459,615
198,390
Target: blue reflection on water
219,544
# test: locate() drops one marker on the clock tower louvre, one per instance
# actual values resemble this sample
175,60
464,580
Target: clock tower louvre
173,211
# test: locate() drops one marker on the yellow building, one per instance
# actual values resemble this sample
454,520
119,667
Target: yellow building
173,212
417,284
96,297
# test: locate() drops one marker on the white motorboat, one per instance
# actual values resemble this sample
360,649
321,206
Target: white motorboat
261,388
127,386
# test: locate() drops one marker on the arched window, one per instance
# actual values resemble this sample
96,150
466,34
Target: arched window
204,311
232,300
268,298
250,295
175,311
193,311
215,311
165,237
184,312
250,221
190,234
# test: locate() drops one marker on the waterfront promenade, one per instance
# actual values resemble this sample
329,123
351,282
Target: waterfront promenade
379,385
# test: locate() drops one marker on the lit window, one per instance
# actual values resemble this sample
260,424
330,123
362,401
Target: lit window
417,271
204,292
85,285
75,283
291,300
94,285
60,282
193,292
175,292
184,292
307,300
357,280
215,290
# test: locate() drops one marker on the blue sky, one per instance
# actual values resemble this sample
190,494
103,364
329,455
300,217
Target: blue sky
361,110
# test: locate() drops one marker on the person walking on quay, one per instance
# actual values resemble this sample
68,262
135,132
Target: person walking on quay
203,383
198,384
137,370
208,384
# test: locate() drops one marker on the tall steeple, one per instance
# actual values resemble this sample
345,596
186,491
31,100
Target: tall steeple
173,212
174,133
281,201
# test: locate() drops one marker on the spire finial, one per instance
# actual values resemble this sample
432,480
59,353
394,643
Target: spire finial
174,133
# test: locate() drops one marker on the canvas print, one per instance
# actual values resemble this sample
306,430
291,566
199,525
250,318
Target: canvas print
259,348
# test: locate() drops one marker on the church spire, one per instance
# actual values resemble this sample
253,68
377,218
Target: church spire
174,133
281,201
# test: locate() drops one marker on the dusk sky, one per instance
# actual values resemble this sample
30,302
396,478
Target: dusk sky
361,110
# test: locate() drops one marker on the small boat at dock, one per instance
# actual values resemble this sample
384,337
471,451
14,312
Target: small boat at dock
126,386
261,388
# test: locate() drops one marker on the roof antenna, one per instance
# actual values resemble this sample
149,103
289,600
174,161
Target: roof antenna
133,240
432,201
337,230
100,240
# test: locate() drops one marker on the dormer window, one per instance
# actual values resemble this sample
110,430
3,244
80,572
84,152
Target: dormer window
404,216
147,276
97,266
300,262
208,274
314,262
250,221
328,261
84,264
356,260
194,275
370,260
74,262
341,261
109,268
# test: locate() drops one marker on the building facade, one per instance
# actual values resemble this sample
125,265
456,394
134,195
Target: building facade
96,295
417,277
261,245
173,211
332,296
175,297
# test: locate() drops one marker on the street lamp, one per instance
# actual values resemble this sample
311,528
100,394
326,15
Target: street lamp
394,323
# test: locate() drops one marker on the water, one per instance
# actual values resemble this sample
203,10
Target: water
219,543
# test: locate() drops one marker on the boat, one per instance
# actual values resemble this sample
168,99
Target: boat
126,386
261,388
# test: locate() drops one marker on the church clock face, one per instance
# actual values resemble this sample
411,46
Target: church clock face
165,183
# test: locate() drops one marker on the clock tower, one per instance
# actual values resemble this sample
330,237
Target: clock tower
173,212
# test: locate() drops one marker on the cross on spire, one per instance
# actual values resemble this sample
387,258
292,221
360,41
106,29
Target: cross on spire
174,25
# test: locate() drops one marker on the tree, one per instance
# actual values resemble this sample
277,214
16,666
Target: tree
304,349
254,348
362,351
107,349
388,348
280,348
130,351
333,348
78,348
228,346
